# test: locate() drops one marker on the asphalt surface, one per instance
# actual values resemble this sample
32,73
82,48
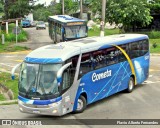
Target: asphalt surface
37,38
142,103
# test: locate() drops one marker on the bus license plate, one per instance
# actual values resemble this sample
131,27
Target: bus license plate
36,111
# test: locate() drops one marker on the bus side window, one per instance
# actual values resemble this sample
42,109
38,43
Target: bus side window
111,56
134,50
121,55
144,47
86,64
98,60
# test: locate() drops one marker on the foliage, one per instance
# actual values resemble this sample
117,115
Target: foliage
154,6
95,31
10,39
157,42
70,7
125,12
152,34
16,8
2,98
5,79
1,7
41,14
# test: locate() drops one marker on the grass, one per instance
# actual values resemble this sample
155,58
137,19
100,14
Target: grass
9,103
10,40
2,98
5,79
9,47
96,32
157,49
154,36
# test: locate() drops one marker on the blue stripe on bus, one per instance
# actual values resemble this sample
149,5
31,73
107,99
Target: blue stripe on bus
39,102
43,60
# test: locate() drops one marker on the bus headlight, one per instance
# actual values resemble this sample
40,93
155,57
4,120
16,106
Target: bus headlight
53,105
55,111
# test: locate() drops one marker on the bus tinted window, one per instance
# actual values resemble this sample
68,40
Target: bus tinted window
139,48
86,64
121,55
112,56
134,50
98,59
144,47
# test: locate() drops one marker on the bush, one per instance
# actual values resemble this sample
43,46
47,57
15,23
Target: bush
153,34
10,37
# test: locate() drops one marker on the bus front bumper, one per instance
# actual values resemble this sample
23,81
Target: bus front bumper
50,109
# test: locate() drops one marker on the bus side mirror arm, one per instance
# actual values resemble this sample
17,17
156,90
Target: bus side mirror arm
14,69
60,72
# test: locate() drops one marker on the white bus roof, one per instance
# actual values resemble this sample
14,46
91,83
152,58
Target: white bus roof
65,18
60,52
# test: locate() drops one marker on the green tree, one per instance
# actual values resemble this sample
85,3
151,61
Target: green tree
41,14
154,6
1,8
70,7
16,8
128,12
125,12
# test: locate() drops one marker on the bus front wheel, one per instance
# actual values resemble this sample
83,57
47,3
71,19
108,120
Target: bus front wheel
81,104
130,85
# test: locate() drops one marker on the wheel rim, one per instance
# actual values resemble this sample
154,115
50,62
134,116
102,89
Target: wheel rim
80,104
131,85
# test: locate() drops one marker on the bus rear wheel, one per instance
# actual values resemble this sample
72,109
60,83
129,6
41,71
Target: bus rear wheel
130,85
81,104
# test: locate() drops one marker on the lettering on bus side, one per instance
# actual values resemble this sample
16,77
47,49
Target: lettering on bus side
103,75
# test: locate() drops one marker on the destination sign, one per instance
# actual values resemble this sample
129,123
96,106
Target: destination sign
75,23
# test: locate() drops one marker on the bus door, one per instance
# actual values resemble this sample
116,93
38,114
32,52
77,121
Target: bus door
58,33
68,90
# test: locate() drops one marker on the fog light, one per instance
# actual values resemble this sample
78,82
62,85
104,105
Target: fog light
21,109
55,111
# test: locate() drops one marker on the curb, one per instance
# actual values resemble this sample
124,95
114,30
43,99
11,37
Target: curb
18,52
8,102
155,54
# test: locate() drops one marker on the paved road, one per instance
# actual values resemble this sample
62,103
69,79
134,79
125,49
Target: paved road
37,38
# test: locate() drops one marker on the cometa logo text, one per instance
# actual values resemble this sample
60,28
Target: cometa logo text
103,75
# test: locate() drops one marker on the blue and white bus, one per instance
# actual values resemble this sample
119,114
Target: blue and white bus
61,78
65,28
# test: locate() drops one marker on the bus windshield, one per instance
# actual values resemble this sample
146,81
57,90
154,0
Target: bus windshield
39,81
75,31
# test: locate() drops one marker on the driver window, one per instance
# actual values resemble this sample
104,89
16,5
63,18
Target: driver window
68,78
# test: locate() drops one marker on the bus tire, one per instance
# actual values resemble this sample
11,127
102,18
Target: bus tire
81,104
130,85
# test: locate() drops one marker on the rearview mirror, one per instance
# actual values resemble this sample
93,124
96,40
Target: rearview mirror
14,69
61,70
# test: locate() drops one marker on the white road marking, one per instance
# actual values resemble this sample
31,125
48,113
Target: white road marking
9,56
150,75
150,82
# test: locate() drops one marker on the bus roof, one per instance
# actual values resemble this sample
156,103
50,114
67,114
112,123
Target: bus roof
56,53
65,18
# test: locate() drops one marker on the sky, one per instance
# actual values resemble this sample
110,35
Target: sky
43,1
